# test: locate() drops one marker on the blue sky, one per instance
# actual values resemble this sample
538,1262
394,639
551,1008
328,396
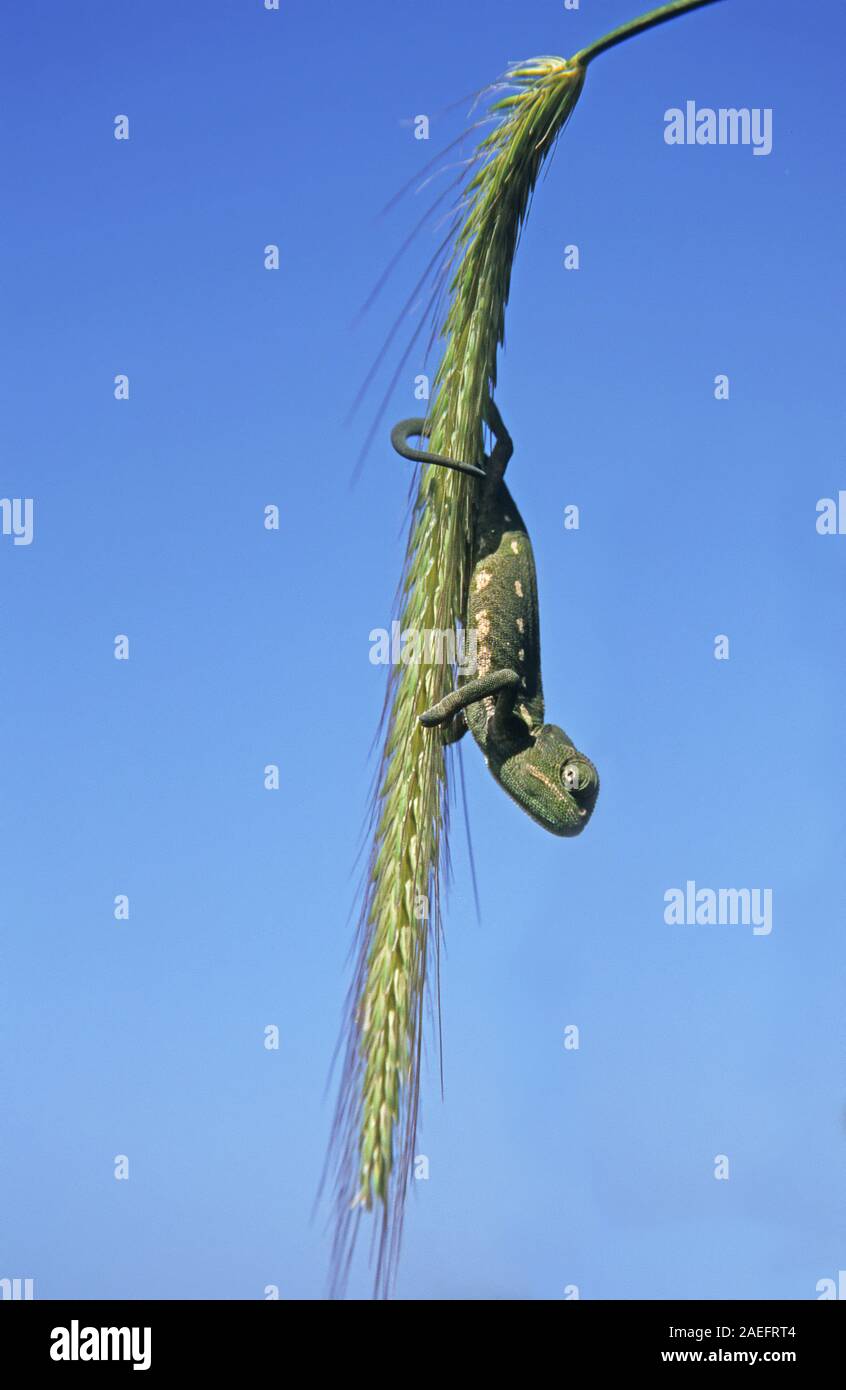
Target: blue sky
548,1167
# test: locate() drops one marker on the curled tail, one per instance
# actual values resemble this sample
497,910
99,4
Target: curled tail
402,432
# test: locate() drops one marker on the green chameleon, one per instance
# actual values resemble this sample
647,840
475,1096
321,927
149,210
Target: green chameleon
536,763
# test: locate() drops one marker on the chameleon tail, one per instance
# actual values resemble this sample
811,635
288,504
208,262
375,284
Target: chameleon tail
400,435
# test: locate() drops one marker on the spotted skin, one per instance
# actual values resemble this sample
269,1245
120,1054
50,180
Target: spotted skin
502,603
502,703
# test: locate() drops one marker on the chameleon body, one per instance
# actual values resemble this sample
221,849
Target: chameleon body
502,703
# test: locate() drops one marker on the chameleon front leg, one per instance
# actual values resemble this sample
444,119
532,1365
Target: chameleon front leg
502,684
454,729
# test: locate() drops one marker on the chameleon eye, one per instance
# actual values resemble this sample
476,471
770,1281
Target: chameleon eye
571,776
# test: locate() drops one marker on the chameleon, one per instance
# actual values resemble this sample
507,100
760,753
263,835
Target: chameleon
502,704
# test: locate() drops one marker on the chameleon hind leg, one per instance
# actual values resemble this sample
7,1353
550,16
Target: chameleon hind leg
503,685
503,448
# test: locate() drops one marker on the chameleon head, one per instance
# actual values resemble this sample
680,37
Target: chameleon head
553,781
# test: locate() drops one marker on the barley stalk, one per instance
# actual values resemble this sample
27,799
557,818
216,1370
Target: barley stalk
376,1118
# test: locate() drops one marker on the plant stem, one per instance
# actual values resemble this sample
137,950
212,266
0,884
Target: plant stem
637,26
